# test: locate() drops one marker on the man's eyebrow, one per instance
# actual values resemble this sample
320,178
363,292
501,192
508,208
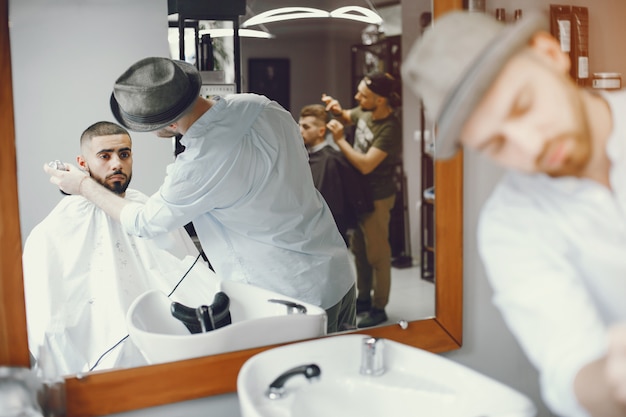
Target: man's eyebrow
114,150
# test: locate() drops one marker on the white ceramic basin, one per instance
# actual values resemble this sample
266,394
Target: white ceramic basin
415,383
255,322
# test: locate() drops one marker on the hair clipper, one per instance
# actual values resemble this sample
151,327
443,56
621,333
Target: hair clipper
56,164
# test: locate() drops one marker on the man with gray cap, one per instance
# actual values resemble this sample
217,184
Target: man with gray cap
552,235
243,180
375,153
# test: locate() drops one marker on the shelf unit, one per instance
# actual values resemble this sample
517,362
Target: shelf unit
190,12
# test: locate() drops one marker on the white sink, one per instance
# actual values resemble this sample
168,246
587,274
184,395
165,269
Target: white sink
256,321
415,383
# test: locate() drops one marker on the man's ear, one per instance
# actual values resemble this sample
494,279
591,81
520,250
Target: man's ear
548,47
82,163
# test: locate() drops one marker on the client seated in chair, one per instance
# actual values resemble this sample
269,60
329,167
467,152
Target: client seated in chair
82,271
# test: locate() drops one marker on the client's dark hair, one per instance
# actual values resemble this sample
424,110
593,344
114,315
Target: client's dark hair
102,129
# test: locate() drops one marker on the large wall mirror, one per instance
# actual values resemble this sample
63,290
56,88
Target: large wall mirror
107,392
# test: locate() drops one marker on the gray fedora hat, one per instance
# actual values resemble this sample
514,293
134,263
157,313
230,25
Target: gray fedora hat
154,92
455,62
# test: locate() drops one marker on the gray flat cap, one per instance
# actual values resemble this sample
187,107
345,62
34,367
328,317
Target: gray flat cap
454,63
154,92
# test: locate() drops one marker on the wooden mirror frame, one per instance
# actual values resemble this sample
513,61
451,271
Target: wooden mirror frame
107,392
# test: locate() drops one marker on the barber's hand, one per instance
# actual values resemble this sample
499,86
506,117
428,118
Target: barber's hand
336,128
332,105
616,363
68,181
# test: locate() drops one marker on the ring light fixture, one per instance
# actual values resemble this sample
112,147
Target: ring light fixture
357,13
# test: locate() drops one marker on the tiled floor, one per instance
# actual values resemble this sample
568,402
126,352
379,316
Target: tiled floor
411,297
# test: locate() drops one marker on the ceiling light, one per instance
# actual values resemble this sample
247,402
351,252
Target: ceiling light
360,14
244,33
285,13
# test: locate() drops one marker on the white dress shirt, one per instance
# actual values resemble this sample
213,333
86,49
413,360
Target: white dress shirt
555,253
245,182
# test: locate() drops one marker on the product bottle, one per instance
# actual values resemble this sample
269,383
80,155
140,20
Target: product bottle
501,15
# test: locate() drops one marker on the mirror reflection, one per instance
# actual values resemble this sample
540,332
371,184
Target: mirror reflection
63,113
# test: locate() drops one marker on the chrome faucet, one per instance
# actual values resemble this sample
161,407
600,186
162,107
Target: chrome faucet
276,389
292,308
372,356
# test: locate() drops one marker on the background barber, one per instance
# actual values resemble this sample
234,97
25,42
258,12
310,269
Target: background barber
375,153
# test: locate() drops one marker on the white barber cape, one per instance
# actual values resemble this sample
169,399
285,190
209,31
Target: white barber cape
81,274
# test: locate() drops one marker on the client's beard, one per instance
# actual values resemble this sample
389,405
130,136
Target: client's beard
118,187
